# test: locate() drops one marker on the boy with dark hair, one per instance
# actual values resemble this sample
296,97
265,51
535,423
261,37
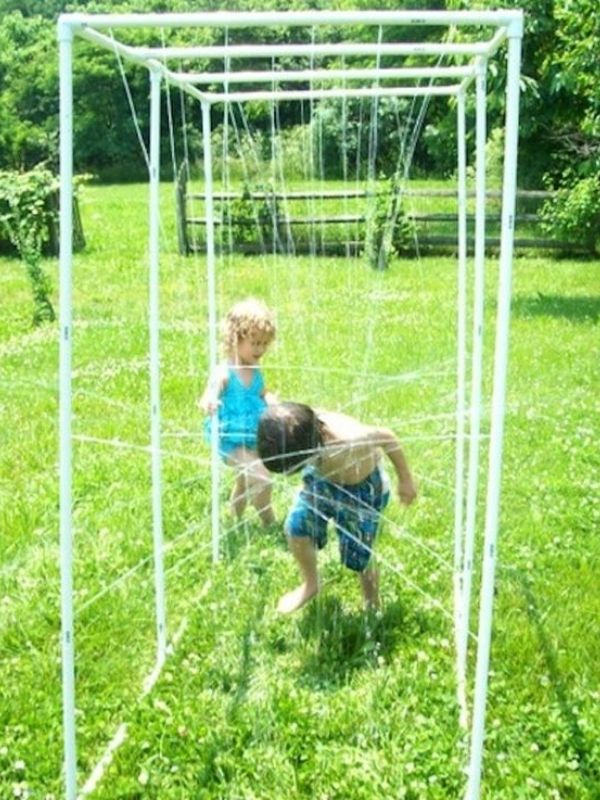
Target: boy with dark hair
343,480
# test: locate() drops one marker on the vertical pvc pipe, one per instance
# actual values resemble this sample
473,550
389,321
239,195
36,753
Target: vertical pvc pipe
212,320
65,38
154,323
461,360
497,414
476,364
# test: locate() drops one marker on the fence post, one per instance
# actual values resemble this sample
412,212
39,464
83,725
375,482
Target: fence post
182,237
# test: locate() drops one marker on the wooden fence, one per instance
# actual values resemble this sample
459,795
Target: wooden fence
266,221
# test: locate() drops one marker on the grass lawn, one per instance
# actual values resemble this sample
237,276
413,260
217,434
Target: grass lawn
325,704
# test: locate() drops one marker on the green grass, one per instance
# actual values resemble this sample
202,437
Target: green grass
326,704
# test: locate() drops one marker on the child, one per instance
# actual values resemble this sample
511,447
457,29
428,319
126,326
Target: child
237,394
342,481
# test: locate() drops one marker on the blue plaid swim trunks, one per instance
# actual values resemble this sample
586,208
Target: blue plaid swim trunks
354,510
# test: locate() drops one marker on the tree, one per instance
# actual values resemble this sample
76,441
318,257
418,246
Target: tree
575,69
560,106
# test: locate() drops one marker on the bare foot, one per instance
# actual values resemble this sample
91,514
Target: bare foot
292,601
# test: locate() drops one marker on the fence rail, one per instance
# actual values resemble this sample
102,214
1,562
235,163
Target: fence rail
269,215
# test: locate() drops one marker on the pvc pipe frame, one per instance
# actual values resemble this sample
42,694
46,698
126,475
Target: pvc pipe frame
259,19
154,328
509,187
65,38
86,26
510,25
279,76
212,323
65,394
465,579
461,361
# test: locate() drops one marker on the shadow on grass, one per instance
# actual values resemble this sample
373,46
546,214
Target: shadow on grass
588,769
341,642
231,676
574,308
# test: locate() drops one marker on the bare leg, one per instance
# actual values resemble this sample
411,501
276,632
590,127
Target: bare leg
369,583
304,551
239,496
259,490
252,484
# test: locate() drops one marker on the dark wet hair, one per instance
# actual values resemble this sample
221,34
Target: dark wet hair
288,435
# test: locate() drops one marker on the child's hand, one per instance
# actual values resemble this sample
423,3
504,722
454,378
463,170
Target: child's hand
208,405
209,399
407,491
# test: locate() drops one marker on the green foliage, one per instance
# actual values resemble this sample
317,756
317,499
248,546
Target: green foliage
354,135
559,86
26,214
29,94
560,100
388,232
578,35
252,220
574,212
494,158
241,156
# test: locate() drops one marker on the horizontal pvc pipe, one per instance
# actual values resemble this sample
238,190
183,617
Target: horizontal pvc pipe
311,50
495,42
322,94
175,79
279,76
115,46
254,19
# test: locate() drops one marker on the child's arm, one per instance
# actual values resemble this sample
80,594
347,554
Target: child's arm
386,439
209,400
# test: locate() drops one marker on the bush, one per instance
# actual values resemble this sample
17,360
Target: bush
574,212
388,230
26,216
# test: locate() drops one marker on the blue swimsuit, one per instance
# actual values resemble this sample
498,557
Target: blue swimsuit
240,407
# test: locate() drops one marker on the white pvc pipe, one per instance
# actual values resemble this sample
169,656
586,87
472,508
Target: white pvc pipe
182,80
112,44
65,38
154,329
212,320
301,75
311,50
493,45
322,94
500,36
254,19
476,364
461,361
497,415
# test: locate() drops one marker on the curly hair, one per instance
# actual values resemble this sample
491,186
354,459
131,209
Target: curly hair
244,318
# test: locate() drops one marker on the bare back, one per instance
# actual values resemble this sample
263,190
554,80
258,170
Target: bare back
348,455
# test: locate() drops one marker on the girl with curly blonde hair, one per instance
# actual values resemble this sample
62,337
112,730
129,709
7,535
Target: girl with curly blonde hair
236,393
